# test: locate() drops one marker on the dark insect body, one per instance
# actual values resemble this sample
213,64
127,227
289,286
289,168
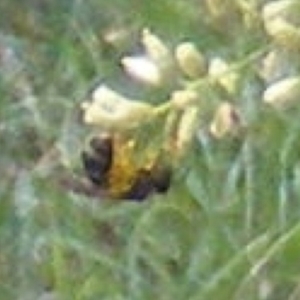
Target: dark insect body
99,161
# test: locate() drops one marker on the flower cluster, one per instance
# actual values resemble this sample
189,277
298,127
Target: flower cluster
279,67
205,90
113,112
188,68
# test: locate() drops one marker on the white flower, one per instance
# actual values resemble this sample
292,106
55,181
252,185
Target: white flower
188,123
154,46
281,19
184,98
111,110
190,60
220,72
276,9
283,93
226,121
142,69
158,52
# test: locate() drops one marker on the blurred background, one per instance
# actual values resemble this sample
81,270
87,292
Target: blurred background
228,229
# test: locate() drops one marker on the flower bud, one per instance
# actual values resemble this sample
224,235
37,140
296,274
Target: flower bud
276,9
182,99
276,64
154,46
284,33
159,53
284,93
142,69
220,72
281,19
226,121
111,110
116,37
190,60
186,129
250,12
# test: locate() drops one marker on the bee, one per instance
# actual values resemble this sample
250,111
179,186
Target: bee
109,166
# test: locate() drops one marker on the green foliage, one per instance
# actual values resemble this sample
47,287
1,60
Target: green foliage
229,226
